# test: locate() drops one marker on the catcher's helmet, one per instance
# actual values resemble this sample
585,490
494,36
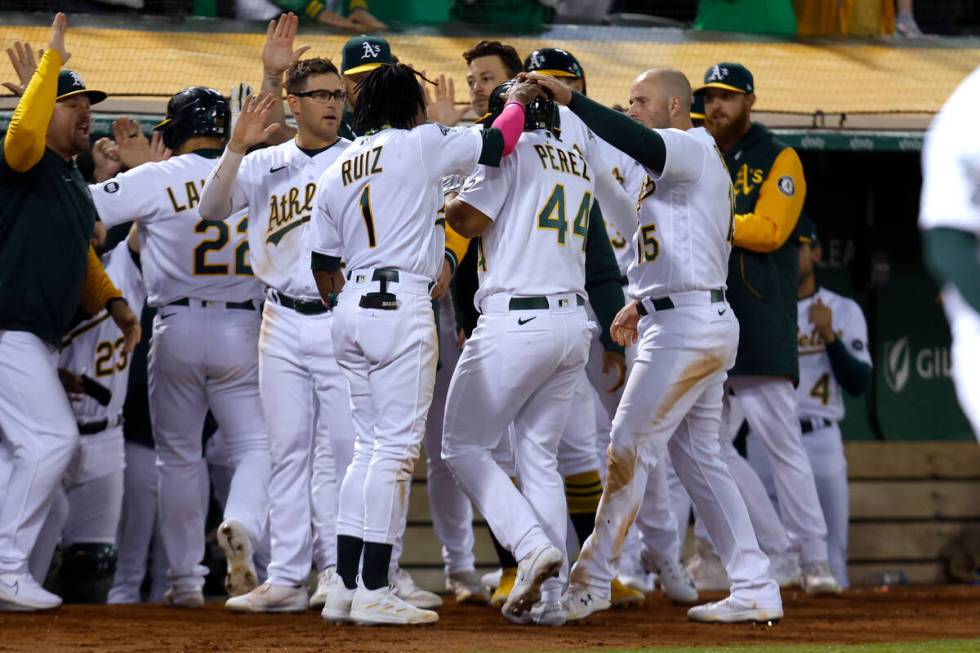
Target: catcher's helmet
541,113
555,62
195,111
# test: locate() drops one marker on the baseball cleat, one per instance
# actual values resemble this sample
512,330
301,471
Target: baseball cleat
383,607
732,611
192,598
319,596
548,613
532,571
491,580
641,582
785,569
580,601
673,580
818,579
237,545
622,596
337,603
270,598
467,588
508,577
706,569
407,590
21,593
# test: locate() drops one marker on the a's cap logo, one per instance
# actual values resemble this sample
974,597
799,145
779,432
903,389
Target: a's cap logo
75,79
897,364
371,51
537,61
717,74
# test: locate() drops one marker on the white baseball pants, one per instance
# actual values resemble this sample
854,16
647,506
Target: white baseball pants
673,401
307,409
520,367
38,437
202,356
389,359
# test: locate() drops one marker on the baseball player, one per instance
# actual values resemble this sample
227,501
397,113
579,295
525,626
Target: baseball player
276,185
950,221
769,191
531,296
94,367
687,338
834,355
375,210
203,353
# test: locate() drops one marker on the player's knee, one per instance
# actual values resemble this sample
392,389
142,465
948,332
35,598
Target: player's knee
85,572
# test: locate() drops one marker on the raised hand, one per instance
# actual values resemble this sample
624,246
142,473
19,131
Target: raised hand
24,63
524,92
558,90
277,52
159,151
105,154
58,28
443,108
251,128
132,148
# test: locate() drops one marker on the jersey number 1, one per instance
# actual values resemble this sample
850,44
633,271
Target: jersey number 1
218,243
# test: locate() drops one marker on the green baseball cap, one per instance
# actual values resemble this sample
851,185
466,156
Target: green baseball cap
728,76
697,107
806,231
70,84
365,53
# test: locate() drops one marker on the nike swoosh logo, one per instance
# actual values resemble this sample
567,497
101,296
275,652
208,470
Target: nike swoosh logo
722,311
15,587
271,170
521,322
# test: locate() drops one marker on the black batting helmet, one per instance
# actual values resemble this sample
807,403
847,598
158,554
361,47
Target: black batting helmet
555,62
540,113
195,111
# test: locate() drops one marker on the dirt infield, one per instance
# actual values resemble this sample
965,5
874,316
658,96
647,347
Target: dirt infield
866,615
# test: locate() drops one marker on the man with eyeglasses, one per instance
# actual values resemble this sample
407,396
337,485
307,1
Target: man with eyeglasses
277,185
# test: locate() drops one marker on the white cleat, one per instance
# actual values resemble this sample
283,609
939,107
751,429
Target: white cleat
191,598
467,588
237,545
707,571
641,582
673,580
270,598
548,613
785,569
319,596
732,611
336,605
383,607
818,579
408,591
580,601
532,571
491,580
21,593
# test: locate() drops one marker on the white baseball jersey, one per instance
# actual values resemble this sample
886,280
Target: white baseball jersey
277,186
182,254
951,163
819,392
377,204
539,199
631,175
686,219
95,347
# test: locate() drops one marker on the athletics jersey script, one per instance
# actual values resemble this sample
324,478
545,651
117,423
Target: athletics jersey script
95,347
183,255
686,219
539,200
819,393
377,204
277,185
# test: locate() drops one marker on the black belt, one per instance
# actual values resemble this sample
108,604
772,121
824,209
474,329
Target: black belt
666,303
301,306
91,428
810,424
247,305
536,303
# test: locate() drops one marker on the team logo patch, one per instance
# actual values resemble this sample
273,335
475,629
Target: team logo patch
786,186
857,345
717,74
111,187
370,51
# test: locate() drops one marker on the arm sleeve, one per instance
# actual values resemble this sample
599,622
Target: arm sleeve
622,132
852,374
456,246
952,257
23,145
98,288
602,278
221,190
510,123
777,209
133,195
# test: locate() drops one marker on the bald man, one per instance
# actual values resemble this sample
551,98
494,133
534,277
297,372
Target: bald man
686,336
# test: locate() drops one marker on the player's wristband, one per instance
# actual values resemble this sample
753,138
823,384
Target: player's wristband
323,263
